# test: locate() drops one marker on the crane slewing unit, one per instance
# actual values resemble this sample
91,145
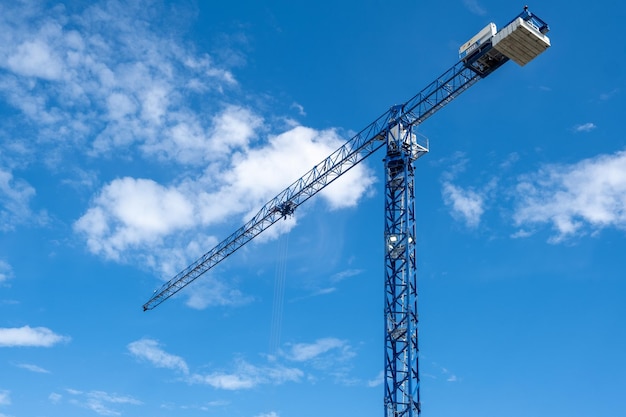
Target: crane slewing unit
521,40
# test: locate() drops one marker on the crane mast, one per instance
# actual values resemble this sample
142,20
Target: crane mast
401,350
521,40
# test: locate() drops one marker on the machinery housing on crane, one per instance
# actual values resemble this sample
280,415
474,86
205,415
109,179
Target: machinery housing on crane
521,40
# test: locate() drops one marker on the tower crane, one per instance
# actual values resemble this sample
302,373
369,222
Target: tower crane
521,40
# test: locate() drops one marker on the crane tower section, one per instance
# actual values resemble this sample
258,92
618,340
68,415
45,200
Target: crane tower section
401,395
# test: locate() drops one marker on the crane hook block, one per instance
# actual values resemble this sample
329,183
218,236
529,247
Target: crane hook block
286,209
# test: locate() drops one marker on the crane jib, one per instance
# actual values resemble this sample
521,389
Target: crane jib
483,60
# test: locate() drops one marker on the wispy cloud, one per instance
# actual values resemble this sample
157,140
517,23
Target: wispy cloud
243,376
100,402
33,368
246,376
131,215
15,197
55,397
474,7
214,292
442,372
452,378
30,336
585,127
466,205
92,82
66,68
299,108
377,381
270,414
150,350
6,272
348,273
576,198
327,356
609,95
304,352
5,397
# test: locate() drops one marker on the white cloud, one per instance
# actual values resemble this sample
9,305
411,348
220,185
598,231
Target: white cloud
35,59
15,196
131,212
6,272
326,354
299,108
99,74
264,172
225,381
150,350
5,397
99,402
55,397
140,214
465,204
246,376
474,7
270,414
609,95
450,377
213,292
243,376
348,273
102,81
189,141
30,336
377,381
300,352
33,368
590,194
586,127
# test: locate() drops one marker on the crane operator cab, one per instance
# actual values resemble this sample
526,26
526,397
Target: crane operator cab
403,138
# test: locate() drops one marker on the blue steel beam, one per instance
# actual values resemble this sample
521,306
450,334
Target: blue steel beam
401,392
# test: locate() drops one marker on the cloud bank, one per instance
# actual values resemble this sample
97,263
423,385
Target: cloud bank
107,84
575,199
30,336
325,355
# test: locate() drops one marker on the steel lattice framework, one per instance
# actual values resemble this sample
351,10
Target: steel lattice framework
396,130
401,347
423,105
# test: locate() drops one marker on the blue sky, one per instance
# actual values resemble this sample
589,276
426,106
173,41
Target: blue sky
136,136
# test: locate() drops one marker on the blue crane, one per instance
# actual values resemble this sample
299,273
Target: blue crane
521,40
